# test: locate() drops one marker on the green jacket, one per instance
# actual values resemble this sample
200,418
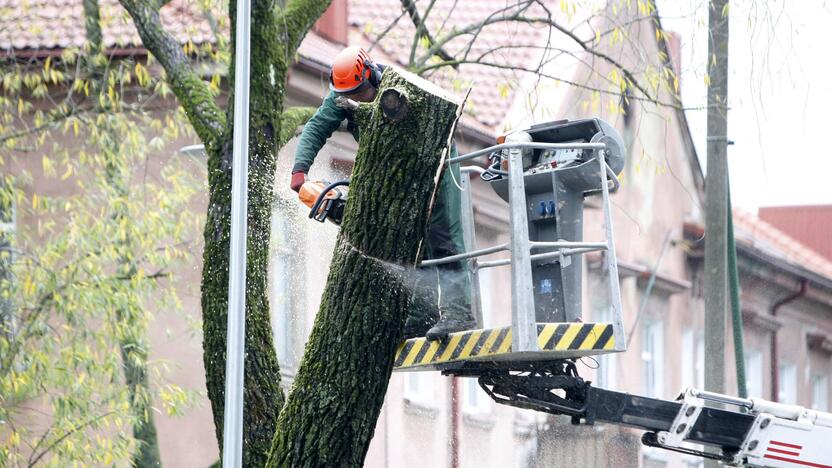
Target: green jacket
318,129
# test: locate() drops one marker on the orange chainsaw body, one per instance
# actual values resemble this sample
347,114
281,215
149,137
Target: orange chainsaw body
330,204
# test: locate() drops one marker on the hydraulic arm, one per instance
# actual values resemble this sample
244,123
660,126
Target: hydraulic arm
750,432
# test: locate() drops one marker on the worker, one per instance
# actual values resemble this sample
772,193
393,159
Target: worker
442,297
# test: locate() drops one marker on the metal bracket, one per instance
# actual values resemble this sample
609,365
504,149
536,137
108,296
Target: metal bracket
684,421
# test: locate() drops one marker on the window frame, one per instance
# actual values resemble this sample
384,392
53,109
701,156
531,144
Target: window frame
754,370
819,381
652,356
787,391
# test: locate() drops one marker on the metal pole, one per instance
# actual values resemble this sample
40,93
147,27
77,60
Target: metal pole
523,324
469,237
716,215
611,258
232,450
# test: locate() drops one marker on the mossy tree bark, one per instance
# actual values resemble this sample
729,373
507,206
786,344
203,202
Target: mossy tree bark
332,410
276,33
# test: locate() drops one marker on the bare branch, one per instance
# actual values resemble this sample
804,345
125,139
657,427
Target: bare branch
556,78
385,31
496,16
592,51
193,94
422,30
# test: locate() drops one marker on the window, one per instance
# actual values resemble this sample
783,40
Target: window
820,393
418,389
787,393
754,373
693,359
474,399
284,278
653,356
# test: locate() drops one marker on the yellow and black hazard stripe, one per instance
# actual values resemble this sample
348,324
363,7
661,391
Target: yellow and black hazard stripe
483,343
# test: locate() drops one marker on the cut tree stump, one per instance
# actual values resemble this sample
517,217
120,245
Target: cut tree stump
331,413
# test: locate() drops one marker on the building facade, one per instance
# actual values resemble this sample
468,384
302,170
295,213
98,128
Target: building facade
434,420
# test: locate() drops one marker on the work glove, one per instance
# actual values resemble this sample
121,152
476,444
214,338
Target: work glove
298,178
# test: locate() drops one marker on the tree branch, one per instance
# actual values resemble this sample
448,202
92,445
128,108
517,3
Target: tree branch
422,30
504,66
385,31
297,18
290,120
193,94
507,15
33,462
630,78
495,17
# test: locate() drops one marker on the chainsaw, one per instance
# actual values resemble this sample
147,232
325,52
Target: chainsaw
325,200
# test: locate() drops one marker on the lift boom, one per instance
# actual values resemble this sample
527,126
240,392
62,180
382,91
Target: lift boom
749,432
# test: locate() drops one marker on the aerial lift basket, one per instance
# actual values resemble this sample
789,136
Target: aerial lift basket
544,172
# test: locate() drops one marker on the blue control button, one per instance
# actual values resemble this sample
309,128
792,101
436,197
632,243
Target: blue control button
551,208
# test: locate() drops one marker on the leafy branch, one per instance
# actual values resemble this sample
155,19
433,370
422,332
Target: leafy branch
193,93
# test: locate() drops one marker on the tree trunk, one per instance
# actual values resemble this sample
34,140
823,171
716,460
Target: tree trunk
331,413
277,29
263,397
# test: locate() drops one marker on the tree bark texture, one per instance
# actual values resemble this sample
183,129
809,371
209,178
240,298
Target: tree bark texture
263,396
331,413
270,62
275,36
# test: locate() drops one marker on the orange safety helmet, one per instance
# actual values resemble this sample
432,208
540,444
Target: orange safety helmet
352,69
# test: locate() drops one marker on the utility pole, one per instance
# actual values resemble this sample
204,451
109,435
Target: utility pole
716,196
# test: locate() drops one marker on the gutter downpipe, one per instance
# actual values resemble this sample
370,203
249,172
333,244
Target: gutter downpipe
775,359
454,422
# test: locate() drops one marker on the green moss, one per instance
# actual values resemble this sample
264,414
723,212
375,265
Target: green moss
296,20
291,119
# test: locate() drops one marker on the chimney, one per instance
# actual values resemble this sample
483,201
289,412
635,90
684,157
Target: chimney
332,25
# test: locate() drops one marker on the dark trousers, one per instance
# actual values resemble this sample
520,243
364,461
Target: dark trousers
445,287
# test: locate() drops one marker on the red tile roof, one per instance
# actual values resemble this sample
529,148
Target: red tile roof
36,25
46,26
754,232
811,225
492,95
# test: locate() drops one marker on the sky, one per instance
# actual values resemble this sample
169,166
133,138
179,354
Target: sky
779,94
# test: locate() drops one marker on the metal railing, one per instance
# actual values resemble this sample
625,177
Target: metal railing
524,324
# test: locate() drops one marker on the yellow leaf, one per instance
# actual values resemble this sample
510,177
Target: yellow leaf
68,172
